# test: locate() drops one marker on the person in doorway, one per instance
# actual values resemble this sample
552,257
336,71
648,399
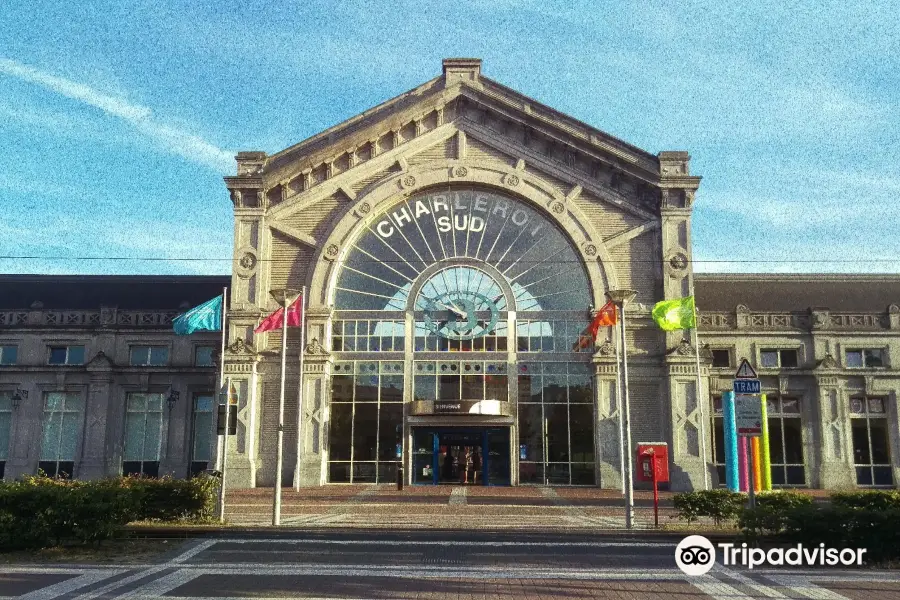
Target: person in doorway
476,465
448,465
465,465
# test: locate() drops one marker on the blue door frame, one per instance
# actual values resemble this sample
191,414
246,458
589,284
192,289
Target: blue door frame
500,460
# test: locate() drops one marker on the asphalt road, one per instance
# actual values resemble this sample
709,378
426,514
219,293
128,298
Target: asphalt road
423,564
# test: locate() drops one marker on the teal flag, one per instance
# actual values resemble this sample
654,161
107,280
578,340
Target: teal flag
206,317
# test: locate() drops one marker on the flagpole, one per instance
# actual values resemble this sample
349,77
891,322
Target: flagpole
300,393
619,408
629,484
701,401
279,457
221,384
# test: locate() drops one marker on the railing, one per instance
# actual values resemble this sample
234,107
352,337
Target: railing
793,321
87,318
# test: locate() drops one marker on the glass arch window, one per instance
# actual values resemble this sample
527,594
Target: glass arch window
532,255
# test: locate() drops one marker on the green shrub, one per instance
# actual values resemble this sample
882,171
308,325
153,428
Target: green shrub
721,505
167,499
868,499
878,531
38,511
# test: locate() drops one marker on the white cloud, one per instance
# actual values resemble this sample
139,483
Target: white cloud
176,141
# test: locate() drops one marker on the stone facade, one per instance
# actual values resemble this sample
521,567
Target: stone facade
626,215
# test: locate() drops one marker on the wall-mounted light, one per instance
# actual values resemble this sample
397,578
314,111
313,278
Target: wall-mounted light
18,397
172,399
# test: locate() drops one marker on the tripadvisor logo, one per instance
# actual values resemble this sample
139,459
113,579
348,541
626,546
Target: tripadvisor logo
696,555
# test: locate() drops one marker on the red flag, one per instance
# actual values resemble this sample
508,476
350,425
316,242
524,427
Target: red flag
605,317
276,319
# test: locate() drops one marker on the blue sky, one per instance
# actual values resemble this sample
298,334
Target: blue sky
117,124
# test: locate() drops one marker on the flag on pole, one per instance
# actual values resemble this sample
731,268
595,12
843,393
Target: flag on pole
276,319
605,317
675,314
206,317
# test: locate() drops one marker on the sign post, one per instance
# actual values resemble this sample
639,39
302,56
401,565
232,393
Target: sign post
748,417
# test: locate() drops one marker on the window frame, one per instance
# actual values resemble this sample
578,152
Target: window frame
865,415
4,352
67,361
728,351
863,356
150,348
62,466
780,361
163,434
212,355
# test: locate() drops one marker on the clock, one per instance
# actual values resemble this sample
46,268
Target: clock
461,315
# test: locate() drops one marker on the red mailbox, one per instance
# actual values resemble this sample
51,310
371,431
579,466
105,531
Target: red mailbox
653,465
650,455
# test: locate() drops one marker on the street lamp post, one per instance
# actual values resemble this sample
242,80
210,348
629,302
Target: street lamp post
620,298
284,297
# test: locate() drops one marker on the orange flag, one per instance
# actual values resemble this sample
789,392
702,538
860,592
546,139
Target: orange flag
276,319
605,317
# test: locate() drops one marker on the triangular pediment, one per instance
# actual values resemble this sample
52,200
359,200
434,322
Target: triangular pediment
464,100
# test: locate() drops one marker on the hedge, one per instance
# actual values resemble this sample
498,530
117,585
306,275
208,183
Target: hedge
721,505
868,499
37,512
835,526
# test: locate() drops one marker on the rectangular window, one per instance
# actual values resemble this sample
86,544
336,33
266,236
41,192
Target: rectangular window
204,356
61,431
871,442
201,433
366,411
721,358
785,441
149,356
143,434
556,424
66,355
867,358
8,355
772,359
5,423
369,336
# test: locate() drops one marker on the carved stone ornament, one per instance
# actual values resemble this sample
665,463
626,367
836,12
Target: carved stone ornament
315,347
589,249
893,309
364,208
827,363
248,260
460,172
557,207
408,181
511,180
742,309
606,348
332,251
678,261
684,348
236,196
239,346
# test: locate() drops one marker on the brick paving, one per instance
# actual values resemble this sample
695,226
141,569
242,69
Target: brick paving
446,507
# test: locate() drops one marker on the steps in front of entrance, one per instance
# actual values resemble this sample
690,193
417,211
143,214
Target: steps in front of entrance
443,507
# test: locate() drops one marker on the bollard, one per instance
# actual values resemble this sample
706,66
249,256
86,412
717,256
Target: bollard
399,475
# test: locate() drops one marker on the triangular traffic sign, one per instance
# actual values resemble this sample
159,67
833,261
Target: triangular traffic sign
745,371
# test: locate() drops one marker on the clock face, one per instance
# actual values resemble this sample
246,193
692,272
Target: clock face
461,303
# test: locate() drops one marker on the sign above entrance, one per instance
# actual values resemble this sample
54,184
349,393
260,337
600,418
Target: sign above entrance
461,407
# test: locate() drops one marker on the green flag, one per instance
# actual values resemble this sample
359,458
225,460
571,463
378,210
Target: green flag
675,314
206,317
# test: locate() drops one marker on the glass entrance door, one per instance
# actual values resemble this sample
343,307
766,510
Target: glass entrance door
461,456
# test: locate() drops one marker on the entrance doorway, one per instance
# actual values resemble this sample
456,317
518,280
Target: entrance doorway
461,455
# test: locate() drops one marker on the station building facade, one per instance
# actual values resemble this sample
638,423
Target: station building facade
453,243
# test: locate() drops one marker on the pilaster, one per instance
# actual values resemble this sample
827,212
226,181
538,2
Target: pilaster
240,370
689,418
834,458
94,463
607,440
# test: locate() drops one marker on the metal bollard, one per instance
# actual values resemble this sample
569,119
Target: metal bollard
399,476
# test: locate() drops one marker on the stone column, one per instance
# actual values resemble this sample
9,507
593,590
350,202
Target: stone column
94,460
607,438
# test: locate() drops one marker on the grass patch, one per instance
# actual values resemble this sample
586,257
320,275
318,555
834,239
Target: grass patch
118,551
